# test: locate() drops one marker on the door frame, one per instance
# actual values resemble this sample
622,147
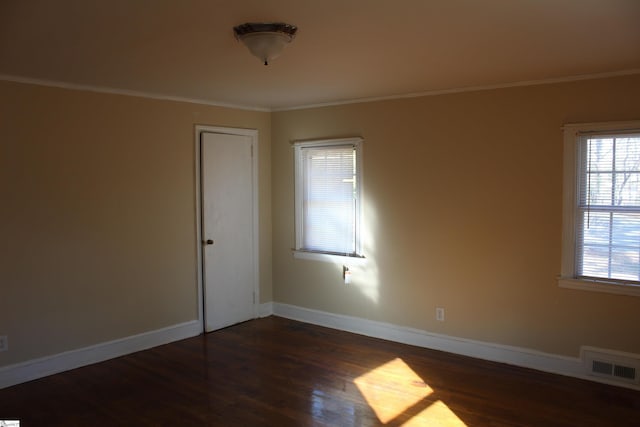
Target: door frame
253,134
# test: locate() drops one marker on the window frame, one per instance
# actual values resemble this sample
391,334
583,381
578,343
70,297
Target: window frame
299,251
571,139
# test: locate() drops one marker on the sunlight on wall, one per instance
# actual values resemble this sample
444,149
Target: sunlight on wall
395,392
364,272
365,276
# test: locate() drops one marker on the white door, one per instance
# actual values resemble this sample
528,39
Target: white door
227,229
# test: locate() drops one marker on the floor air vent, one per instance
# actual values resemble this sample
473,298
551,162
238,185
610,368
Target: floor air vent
613,365
604,368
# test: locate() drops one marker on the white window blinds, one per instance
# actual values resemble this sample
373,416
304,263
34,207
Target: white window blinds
328,198
608,207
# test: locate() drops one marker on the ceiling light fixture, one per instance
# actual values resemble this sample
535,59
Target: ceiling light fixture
265,40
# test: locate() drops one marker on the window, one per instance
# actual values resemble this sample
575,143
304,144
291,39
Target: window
327,197
601,223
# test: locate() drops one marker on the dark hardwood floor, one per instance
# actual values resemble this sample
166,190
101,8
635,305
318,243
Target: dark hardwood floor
278,372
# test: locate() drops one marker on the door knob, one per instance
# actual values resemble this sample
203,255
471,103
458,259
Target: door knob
208,242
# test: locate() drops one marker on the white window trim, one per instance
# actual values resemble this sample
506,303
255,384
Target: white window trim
327,257
567,278
299,252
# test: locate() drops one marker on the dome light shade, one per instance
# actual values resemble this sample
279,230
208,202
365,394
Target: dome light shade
265,40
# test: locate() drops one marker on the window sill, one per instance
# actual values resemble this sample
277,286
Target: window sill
597,286
327,257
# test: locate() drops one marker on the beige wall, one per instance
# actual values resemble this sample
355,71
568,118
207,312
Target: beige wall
97,215
463,198
463,211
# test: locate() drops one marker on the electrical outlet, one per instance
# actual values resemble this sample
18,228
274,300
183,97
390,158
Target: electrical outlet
4,343
440,314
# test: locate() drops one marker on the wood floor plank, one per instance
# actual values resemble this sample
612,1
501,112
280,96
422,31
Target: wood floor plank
278,372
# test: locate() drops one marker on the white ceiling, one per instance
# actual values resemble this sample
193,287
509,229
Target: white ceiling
344,50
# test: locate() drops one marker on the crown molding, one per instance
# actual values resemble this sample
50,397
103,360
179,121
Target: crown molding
468,89
126,92
149,95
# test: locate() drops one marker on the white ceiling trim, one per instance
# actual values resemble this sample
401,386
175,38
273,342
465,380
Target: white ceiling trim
100,89
470,89
113,91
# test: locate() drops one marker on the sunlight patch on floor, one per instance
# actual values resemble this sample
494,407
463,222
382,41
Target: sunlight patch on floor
394,390
437,414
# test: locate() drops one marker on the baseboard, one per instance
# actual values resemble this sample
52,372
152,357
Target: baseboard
42,367
517,356
265,309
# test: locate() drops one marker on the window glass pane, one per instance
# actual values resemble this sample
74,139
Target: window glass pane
609,205
626,230
610,245
627,154
597,189
329,202
596,184
627,167
329,227
624,263
596,226
627,189
625,246
593,256
600,154
595,261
